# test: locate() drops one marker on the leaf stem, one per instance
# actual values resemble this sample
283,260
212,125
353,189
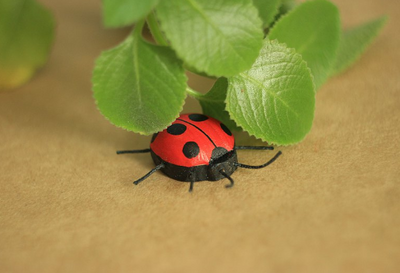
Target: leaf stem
193,93
155,30
137,31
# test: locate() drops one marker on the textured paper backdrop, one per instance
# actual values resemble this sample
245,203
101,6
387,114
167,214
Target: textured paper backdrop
329,204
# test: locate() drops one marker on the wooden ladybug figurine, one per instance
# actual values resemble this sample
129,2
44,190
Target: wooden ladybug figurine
196,147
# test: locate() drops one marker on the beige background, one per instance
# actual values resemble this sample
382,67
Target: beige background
330,204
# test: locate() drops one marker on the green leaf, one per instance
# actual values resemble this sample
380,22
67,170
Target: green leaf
26,36
117,13
313,29
286,6
218,37
139,86
275,99
213,103
267,10
355,41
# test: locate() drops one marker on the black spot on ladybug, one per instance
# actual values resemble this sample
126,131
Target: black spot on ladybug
154,137
176,129
218,152
191,149
197,117
226,129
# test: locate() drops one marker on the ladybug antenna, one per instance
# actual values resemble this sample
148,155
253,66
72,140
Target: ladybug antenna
259,166
230,179
254,147
149,173
133,151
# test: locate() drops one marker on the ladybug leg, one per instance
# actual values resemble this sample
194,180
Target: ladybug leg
230,179
254,147
191,180
259,166
149,173
133,151
191,186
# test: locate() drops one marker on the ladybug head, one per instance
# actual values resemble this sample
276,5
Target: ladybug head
221,161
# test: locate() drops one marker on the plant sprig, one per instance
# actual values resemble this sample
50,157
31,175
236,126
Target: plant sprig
268,64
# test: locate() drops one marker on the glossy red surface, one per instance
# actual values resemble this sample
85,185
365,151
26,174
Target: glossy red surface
207,134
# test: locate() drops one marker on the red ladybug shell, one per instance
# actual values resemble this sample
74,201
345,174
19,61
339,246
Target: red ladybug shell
190,140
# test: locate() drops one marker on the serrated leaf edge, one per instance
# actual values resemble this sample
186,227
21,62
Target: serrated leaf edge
383,20
122,126
332,64
292,50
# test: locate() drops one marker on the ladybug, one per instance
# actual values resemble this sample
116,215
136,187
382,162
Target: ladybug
197,147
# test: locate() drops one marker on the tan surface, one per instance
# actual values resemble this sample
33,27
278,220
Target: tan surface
330,204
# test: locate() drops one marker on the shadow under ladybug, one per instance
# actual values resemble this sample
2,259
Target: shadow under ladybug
196,147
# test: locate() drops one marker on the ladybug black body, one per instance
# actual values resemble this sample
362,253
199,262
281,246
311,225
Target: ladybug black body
194,148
